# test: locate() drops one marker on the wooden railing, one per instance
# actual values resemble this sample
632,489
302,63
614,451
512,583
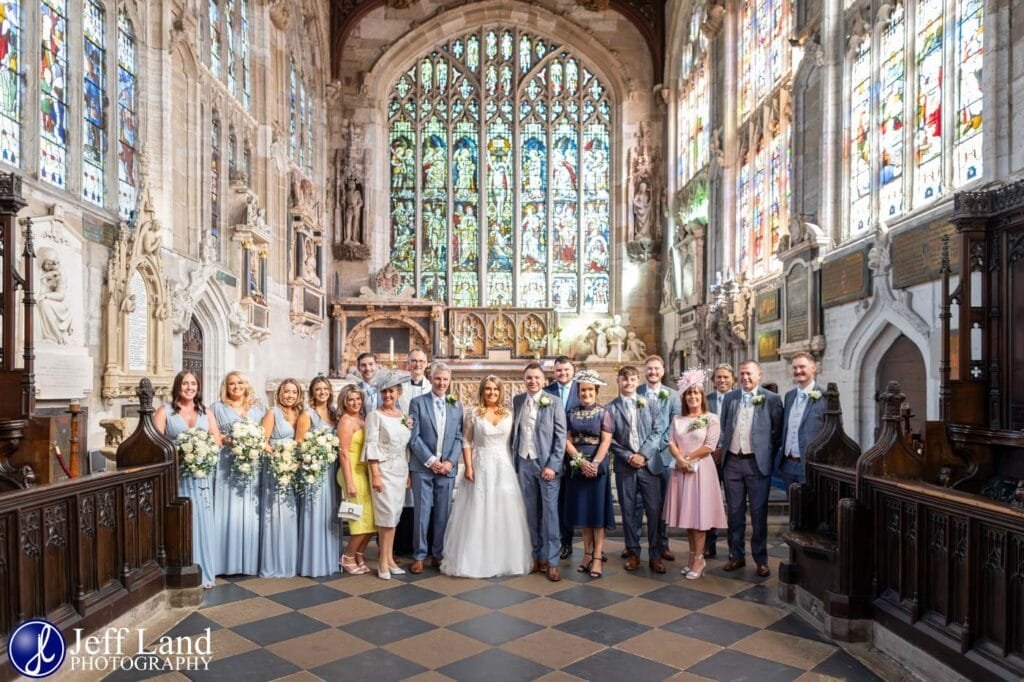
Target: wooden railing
81,552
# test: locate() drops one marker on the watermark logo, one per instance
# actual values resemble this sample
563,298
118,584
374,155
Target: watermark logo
36,648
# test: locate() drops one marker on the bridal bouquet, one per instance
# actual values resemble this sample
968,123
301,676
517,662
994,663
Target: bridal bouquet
247,443
317,451
197,453
284,464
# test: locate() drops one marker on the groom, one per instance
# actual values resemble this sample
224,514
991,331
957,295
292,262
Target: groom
435,444
538,447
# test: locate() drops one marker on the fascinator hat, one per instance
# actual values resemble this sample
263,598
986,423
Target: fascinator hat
385,380
588,376
691,378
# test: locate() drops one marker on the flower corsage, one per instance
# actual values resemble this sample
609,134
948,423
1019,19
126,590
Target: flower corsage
700,422
663,394
814,395
317,451
247,443
197,453
544,401
450,399
576,463
407,421
640,402
757,400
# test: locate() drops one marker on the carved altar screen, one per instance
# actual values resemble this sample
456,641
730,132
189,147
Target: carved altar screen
500,173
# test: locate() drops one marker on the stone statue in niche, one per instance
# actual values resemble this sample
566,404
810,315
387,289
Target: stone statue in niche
636,350
645,200
54,311
642,210
310,266
353,211
616,335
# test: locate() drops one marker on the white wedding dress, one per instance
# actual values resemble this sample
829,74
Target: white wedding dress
487,533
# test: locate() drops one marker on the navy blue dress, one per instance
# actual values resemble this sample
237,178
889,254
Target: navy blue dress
588,501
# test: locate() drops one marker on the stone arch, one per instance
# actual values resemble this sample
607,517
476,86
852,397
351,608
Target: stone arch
212,311
904,362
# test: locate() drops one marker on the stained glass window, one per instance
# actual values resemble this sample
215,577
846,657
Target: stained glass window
883,98
500,172
231,41
293,111
215,178
243,48
126,93
694,103
213,15
10,82
53,102
763,50
94,95
967,140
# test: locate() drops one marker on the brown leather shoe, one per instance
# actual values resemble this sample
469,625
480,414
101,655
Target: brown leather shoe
632,562
416,567
625,554
536,567
667,555
543,564
734,564
763,571
553,574
657,566
435,562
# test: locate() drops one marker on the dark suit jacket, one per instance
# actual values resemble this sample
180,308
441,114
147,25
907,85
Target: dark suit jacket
574,394
766,429
811,422
649,429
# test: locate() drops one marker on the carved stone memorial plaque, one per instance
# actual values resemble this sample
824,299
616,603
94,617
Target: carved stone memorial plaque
797,311
137,301
845,279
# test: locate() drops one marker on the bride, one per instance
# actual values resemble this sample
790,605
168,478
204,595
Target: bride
487,534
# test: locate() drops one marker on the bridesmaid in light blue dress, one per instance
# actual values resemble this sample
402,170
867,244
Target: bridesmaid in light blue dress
238,502
318,512
184,412
279,546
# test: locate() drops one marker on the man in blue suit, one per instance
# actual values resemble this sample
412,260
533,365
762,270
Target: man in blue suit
725,379
666,400
366,363
751,435
803,418
568,392
435,444
538,449
637,435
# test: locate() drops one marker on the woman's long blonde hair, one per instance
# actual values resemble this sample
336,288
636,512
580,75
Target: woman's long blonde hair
300,405
343,395
500,409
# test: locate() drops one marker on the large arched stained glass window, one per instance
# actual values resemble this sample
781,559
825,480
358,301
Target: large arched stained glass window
694,108
500,174
53,95
126,103
10,82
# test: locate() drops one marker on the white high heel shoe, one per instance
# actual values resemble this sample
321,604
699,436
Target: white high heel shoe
383,575
396,570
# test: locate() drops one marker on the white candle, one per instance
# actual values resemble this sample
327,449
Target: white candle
391,350
620,351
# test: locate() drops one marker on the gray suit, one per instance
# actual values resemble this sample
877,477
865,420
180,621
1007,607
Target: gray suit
643,483
715,400
540,496
432,493
670,408
749,474
811,423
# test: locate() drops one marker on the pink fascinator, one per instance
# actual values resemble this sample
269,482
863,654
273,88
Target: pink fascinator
692,377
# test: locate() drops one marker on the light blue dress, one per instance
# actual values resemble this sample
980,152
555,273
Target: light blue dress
280,543
318,520
237,503
205,538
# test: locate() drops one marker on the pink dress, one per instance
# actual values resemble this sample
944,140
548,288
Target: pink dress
694,500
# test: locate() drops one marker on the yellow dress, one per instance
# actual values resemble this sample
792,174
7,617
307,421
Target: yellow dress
361,472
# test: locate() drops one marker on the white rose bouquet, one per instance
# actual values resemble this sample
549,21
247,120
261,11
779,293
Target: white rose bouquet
284,464
317,452
247,443
197,453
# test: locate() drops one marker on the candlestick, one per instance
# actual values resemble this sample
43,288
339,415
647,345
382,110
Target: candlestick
391,350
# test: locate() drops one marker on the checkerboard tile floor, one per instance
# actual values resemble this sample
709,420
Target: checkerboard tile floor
640,626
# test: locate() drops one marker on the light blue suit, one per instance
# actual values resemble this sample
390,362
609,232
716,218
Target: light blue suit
540,496
670,408
750,476
432,493
643,483
811,423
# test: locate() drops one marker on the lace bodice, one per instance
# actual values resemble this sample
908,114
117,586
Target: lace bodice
489,441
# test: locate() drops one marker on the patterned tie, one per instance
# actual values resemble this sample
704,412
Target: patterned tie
634,435
747,397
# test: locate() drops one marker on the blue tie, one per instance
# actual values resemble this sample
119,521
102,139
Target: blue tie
564,390
747,397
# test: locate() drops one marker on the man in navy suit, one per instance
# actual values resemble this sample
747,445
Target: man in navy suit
751,435
725,379
538,449
803,418
568,392
435,444
667,401
637,434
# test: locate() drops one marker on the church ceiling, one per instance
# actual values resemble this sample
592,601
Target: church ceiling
647,15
